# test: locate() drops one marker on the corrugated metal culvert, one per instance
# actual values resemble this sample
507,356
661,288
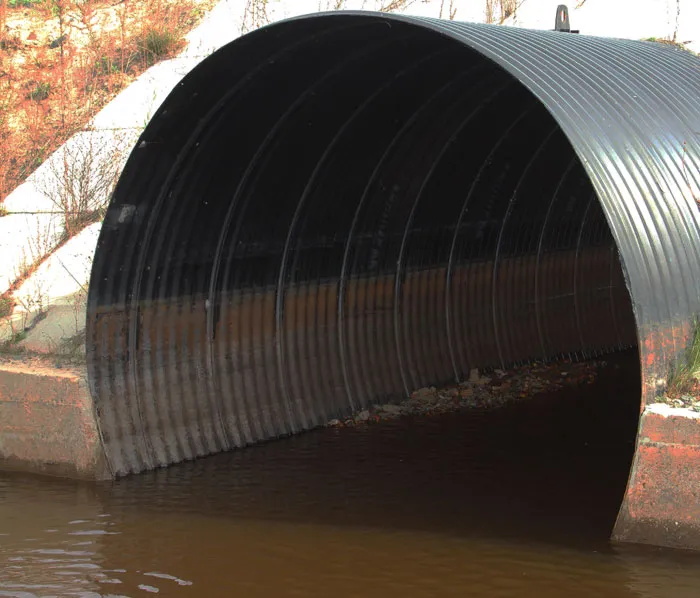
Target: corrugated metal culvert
339,209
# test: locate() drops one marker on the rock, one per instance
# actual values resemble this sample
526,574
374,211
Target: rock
58,42
504,388
363,416
423,394
391,409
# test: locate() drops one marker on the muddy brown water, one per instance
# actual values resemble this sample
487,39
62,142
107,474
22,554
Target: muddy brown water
518,501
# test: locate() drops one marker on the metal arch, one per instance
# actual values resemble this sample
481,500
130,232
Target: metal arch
631,132
409,221
281,291
241,192
453,246
538,314
343,276
496,261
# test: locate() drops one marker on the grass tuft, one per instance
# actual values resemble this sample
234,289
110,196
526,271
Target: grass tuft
684,378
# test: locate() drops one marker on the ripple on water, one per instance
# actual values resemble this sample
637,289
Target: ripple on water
517,503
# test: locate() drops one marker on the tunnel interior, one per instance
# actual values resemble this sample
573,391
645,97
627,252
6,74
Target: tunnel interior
317,220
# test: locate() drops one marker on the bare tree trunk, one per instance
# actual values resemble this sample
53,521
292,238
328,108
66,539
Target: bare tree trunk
488,12
393,5
452,10
497,11
678,19
255,15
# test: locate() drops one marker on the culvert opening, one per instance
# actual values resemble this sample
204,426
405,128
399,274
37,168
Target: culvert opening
322,218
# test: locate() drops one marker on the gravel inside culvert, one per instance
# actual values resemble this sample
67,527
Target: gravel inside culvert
492,389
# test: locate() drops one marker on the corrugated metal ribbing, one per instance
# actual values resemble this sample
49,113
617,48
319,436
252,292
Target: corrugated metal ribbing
336,210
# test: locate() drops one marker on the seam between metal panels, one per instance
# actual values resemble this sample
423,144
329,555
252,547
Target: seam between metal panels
174,174
409,221
343,276
635,147
518,61
540,242
142,257
252,171
451,260
496,263
280,292
670,150
610,170
279,296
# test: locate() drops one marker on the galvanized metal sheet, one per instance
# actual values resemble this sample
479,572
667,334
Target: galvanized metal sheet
338,209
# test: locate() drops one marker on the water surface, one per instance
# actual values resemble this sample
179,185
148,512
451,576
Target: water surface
517,502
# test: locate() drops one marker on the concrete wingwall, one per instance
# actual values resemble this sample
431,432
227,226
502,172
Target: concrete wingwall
53,415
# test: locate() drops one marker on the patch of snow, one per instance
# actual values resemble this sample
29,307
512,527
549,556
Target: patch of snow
667,411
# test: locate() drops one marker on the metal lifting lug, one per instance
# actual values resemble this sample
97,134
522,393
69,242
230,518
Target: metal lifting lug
561,21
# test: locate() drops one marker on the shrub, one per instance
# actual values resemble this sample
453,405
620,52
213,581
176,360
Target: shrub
7,305
685,373
156,44
39,91
22,3
82,180
50,89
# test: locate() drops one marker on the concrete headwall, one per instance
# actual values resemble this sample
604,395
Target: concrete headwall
48,422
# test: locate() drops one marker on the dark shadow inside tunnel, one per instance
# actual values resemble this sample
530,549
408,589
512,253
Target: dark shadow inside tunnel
549,470
322,218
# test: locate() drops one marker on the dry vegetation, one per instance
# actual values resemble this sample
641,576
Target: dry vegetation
497,11
63,60
683,388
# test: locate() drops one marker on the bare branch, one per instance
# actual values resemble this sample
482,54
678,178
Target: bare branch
255,15
394,5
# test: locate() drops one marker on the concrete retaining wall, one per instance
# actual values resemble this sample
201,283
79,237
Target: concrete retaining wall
48,422
662,503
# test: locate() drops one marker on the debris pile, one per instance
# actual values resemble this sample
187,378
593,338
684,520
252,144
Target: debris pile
688,398
494,389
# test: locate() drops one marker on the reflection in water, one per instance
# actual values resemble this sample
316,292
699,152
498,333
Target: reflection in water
515,502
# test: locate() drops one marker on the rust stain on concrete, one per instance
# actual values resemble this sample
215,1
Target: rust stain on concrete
662,503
